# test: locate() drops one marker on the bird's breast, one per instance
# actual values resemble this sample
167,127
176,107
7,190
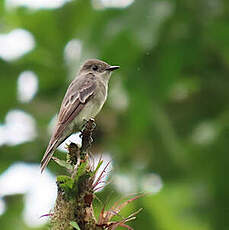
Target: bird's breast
92,107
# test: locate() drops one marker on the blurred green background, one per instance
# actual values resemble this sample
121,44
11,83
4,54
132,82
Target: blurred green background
166,122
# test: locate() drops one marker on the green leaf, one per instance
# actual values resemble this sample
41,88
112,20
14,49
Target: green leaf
65,182
75,225
80,170
63,163
97,168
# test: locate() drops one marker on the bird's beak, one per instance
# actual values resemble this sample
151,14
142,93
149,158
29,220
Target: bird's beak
114,67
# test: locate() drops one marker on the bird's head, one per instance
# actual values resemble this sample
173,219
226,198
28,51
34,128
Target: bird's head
98,67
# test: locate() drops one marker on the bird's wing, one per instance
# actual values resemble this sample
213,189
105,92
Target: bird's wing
74,101
77,95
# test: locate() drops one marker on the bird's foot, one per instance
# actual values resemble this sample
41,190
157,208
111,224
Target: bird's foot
88,127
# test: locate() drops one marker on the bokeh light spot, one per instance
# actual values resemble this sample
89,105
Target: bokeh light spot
40,190
205,133
36,4
152,183
101,4
15,44
72,51
19,127
27,86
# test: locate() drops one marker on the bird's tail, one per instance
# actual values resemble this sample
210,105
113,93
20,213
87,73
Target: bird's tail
48,154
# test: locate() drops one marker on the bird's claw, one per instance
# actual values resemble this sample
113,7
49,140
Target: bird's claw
93,124
89,126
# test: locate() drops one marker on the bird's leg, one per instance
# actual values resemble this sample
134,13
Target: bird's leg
86,135
88,124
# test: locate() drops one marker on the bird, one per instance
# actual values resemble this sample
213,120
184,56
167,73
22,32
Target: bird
83,100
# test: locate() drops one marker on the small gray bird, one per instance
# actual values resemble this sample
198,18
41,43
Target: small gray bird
83,100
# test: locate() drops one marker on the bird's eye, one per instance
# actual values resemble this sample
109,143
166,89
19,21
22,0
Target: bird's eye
95,67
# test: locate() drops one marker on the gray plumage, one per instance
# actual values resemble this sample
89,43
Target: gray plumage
83,100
